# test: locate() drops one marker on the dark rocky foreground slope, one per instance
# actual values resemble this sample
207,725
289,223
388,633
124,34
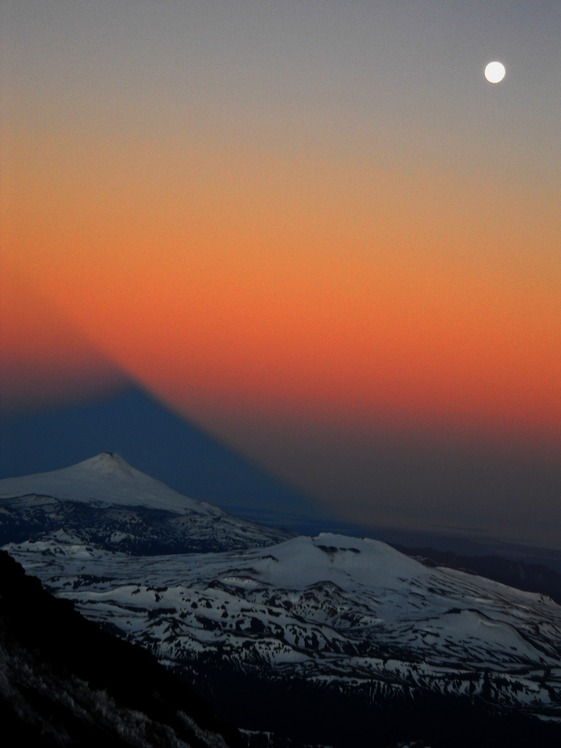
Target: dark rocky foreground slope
326,640
65,682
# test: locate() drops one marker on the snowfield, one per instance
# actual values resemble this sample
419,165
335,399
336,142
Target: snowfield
354,613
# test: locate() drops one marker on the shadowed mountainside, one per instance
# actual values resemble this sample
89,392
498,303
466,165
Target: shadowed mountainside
66,682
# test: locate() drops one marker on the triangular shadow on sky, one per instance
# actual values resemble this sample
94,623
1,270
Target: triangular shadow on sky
160,443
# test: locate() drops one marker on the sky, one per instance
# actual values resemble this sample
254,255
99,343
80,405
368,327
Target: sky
312,227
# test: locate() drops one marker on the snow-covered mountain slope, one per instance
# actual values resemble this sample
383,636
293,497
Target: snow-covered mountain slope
105,501
105,477
348,612
335,614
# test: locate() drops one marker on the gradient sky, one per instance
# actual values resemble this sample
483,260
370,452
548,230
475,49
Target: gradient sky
312,226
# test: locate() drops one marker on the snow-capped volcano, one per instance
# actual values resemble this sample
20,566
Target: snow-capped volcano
106,502
105,477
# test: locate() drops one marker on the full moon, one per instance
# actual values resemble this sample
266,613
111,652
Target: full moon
495,72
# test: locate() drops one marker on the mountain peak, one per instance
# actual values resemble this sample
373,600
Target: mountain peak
156,516
108,463
158,442
105,477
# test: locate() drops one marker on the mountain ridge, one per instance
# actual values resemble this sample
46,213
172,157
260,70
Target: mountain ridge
343,620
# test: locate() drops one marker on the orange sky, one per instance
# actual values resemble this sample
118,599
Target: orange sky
301,295
275,240
45,360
